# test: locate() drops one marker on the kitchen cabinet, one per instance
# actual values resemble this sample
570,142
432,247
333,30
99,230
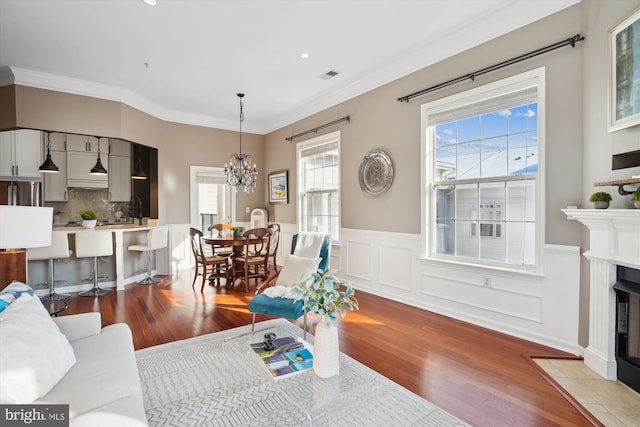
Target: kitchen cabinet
20,154
58,142
55,184
119,170
87,144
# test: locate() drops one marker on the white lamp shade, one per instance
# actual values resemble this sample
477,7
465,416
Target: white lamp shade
25,227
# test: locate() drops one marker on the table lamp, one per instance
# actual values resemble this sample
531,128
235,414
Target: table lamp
21,227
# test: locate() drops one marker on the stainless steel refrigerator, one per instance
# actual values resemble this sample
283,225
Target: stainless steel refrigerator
21,193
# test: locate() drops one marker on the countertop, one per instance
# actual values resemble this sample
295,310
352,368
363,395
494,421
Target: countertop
110,227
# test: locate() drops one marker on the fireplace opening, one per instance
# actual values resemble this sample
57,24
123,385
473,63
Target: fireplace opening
627,288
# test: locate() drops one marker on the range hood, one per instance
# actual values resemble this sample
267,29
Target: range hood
87,184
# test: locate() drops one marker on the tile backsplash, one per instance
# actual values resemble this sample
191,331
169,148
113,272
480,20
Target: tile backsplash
81,199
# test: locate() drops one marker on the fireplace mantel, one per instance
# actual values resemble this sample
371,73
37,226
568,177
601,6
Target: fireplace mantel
614,239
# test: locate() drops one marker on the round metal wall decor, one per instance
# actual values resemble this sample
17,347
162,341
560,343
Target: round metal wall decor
376,173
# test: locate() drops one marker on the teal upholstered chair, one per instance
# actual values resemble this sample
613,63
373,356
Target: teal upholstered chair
286,307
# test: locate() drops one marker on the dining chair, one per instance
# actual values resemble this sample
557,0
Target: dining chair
219,264
294,269
273,247
252,263
217,249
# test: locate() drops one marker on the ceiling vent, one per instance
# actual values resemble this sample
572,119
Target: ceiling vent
329,74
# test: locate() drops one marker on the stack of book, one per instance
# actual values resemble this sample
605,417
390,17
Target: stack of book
287,356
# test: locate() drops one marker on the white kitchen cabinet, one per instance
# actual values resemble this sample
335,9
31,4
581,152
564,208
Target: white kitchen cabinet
55,184
119,178
57,140
87,144
79,165
20,154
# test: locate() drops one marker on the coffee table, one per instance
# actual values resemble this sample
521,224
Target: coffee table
306,399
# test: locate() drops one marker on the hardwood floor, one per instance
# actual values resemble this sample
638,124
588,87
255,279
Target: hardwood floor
481,376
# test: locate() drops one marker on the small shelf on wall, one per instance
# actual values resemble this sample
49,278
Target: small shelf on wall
620,184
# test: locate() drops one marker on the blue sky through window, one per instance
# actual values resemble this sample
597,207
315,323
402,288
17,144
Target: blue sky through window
494,144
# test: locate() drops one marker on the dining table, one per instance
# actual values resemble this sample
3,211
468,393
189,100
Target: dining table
236,242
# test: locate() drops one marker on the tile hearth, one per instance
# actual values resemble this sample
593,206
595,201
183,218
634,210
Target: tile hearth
611,402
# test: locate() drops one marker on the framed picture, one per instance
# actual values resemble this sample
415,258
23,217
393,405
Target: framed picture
624,73
279,187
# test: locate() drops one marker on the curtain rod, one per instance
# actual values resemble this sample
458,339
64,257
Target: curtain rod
472,76
316,129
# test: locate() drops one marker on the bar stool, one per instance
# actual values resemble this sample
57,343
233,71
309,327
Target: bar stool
59,249
156,239
93,243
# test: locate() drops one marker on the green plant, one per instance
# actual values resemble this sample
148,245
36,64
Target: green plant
600,196
635,196
88,214
322,295
238,229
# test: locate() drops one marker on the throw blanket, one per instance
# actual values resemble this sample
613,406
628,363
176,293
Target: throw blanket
281,291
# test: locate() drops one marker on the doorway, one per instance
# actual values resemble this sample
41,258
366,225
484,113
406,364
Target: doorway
211,199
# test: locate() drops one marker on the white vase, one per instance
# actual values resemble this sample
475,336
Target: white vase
89,223
326,356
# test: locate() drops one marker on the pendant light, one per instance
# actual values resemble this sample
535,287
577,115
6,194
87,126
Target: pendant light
239,171
98,169
138,173
48,166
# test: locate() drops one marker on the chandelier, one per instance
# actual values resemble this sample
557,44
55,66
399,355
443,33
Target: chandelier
239,171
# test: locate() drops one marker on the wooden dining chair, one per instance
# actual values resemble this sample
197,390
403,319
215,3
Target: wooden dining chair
219,264
252,263
217,249
273,247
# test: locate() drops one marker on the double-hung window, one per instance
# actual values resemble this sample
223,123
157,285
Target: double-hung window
484,155
319,184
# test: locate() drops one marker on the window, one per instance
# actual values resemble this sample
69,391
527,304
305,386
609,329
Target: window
212,200
319,184
483,159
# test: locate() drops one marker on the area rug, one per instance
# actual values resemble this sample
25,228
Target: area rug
193,383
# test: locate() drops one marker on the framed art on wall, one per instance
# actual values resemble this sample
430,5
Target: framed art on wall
279,187
624,73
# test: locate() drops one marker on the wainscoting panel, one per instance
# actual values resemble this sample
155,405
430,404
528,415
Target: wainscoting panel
395,266
359,260
179,256
453,292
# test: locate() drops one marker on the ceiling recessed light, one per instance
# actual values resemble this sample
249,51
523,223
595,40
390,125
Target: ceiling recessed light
305,55
150,2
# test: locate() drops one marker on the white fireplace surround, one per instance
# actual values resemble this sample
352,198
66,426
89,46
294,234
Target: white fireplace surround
614,239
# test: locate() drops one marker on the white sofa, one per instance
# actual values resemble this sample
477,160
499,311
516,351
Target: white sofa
103,387
68,360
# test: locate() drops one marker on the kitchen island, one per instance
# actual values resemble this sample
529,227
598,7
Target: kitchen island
117,271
